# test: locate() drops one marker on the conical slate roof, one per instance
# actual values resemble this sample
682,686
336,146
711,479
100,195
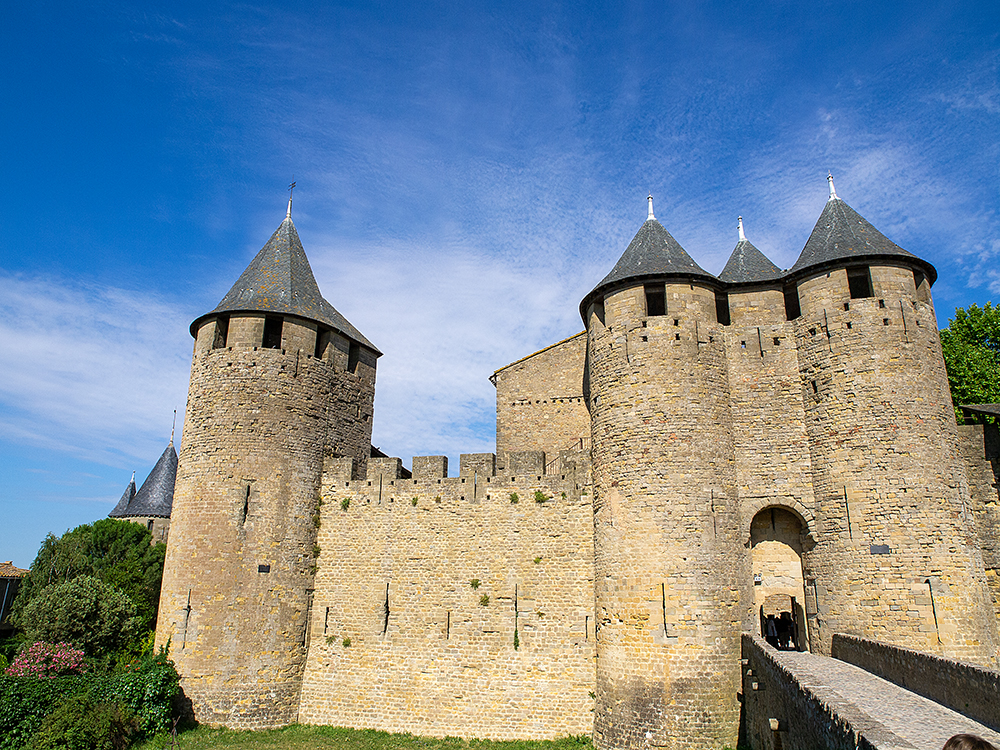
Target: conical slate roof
748,264
841,233
279,279
119,510
156,496
653,252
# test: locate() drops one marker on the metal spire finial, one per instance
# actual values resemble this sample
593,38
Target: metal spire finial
833,190
172,427
743,237
649,216
133,478
291,187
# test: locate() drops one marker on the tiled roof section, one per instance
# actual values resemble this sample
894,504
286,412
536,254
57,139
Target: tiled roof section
748,264
279,279
9,570
653,252
156,496
843,234
127,495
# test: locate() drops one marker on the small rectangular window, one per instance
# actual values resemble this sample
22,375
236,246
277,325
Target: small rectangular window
221,332
859,282
656,300
353,355
922,287
322,340
272,332
722,308
792,308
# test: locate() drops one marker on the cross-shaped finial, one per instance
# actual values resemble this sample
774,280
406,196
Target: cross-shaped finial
291,187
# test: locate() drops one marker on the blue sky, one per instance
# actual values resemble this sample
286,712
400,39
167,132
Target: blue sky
466,173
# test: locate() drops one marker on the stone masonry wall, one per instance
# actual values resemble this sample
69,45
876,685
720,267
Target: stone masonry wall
966,688
540,405
980,447
454,606
896,557
773,463
669,564
238,577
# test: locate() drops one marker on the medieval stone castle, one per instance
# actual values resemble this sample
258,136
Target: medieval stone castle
711,450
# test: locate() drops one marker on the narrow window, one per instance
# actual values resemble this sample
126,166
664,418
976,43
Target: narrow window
353,355
272,333
385,611
922,287
221,332
246,506
722,308
322,340
792,308
149,525
656,300
859,282
881,303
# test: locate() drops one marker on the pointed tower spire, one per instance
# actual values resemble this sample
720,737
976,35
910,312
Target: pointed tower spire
833,190
649,215
743,237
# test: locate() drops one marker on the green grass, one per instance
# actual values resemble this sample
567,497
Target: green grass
302,737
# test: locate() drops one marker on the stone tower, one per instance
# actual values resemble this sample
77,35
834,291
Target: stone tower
896,558
668,563
280,383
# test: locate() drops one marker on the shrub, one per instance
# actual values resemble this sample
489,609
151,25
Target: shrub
345,503
514,498
146,688
474,583
47,660
79,723
540,497
413,501
25,701
346,642
86,611
484,600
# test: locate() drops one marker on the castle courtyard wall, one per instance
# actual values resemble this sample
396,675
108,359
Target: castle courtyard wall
540,404
421,586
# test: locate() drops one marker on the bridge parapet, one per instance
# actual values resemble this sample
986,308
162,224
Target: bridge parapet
969,689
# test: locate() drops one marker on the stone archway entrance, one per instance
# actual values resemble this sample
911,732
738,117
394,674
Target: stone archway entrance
776,563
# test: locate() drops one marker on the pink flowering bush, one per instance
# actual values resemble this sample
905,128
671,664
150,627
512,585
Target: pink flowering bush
47,660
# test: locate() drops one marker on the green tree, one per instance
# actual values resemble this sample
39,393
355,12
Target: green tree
85,611
971,347
113,551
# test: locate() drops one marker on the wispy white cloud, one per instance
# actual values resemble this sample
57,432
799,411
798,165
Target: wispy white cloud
93,371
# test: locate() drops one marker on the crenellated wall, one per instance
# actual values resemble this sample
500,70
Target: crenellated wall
453,605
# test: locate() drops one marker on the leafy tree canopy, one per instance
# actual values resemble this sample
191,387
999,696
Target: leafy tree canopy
113,551
971,347
85,611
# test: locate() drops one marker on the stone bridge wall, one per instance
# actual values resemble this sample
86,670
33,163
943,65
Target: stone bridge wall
966,688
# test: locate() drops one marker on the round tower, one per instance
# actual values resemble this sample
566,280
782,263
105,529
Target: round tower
896,558
668,566
280,381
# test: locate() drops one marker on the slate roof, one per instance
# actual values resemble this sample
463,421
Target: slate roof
279,279
127,496
748,264
156,496
841,233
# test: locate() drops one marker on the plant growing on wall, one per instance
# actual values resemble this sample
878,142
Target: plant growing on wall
484,600
537,560
474,583
345,503
346,642
413,501
514,498
540,497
